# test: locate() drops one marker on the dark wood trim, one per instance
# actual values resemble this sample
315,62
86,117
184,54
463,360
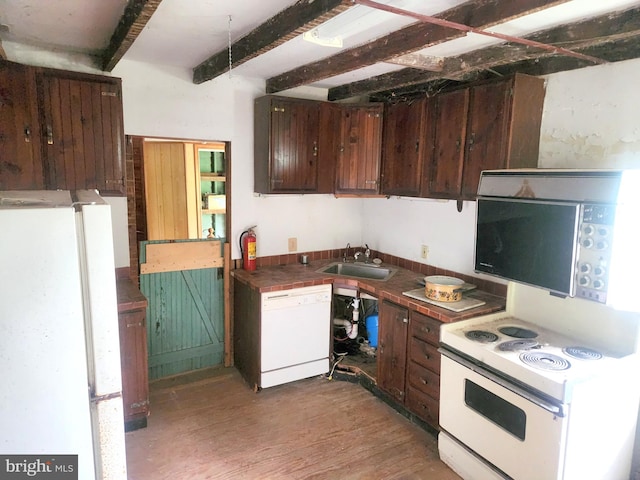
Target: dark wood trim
592,37
581,37
409,39
282,27
136,15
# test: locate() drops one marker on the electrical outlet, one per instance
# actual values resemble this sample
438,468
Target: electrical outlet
424,251
293,244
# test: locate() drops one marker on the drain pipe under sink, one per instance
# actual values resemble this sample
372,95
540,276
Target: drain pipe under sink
351,326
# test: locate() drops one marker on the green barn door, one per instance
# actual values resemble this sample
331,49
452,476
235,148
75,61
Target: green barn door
185,315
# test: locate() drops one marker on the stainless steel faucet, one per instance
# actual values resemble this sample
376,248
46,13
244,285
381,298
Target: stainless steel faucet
346,253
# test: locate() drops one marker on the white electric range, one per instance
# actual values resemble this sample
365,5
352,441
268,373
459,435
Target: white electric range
547,389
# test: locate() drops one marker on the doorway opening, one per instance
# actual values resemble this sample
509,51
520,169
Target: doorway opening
182,201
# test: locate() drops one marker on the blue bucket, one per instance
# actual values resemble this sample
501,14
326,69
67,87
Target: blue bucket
371,322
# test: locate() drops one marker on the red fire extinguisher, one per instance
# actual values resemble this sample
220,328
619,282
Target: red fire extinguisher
248,249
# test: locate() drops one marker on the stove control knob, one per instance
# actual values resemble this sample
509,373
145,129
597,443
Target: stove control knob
598,271
598,284
585,268
587,243
603,231
602,245
584,281
588,230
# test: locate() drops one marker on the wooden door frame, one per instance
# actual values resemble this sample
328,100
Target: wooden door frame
135,191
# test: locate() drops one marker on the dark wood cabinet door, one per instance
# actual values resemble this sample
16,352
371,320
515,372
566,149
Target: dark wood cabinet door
20,162
294,145
392,349
82,137
486,142
358,169
450,123
504,128
403,144
133,358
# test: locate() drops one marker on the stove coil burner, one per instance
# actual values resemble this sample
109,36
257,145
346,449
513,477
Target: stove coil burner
518,332
582,353
481,336
517,345
545,361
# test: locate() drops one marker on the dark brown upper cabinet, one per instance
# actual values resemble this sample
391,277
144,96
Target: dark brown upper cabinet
492,125
82,131
60,130
405,139
503,130
20,162
286,145
444,175
358,166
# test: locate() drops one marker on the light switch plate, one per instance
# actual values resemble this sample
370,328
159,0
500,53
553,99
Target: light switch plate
293,244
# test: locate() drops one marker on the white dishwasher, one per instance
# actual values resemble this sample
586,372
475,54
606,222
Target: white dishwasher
295,334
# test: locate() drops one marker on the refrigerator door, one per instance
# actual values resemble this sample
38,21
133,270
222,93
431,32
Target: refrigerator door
95,240
44,399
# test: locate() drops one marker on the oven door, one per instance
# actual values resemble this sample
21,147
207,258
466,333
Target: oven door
522,435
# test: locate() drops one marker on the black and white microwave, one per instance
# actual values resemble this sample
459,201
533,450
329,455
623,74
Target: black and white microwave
552,229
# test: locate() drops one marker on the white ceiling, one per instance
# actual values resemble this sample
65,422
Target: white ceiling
183,33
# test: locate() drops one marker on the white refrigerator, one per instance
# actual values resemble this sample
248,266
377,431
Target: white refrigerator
59,345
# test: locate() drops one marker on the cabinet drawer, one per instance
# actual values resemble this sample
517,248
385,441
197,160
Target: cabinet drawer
424,406
423,379
424,354
425,328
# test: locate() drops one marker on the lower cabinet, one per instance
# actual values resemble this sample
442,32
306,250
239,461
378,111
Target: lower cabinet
408,360
132,310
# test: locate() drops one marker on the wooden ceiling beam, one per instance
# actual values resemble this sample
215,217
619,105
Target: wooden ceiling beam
136,15
579,36
302,16
477,14
415,60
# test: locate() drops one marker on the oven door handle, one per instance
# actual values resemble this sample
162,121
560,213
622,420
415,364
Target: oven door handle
550,407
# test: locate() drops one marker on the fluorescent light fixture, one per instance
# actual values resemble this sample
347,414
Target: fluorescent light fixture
313,36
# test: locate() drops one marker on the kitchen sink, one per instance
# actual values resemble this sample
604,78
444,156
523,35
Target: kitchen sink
359,270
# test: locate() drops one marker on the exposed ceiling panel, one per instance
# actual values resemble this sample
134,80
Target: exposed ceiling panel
368,43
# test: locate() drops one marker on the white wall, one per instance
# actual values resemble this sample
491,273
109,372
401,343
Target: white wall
590,118
164,102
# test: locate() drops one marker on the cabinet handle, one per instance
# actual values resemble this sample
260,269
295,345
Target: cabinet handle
278,109
315,149
405,320
424,381
49,135
426,355
341,148
27,134
426,329
417,145
457,145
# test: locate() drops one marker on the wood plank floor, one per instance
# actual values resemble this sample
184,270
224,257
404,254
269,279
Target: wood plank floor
216,427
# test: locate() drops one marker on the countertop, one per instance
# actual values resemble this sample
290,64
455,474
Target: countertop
283,277
129,295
